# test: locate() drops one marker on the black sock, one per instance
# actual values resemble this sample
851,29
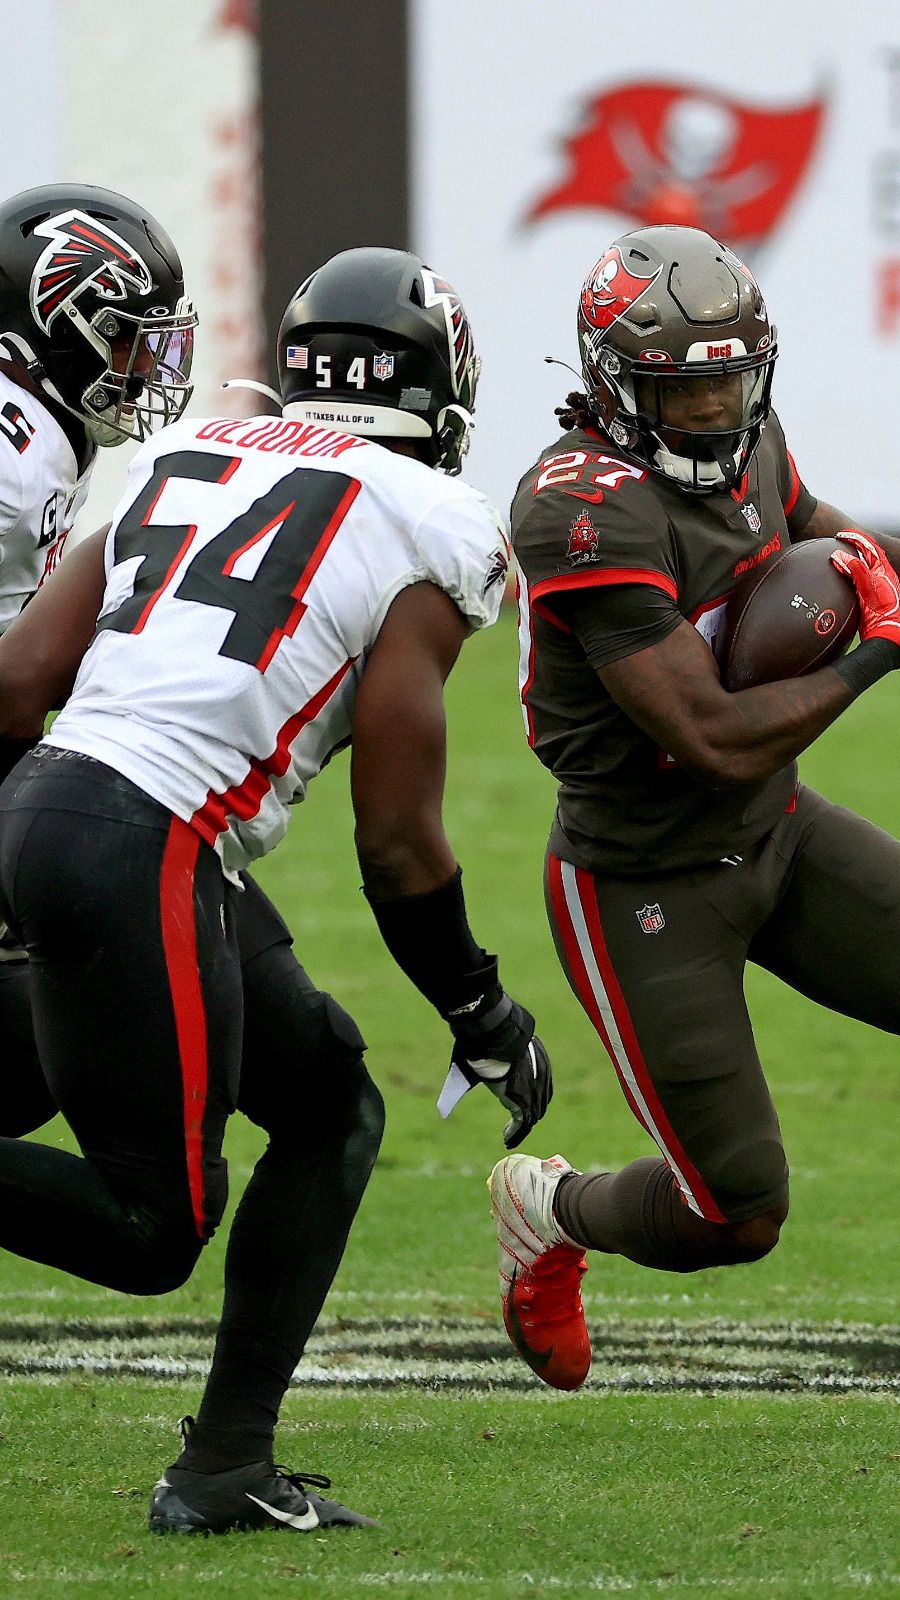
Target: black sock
639,1213
285,1246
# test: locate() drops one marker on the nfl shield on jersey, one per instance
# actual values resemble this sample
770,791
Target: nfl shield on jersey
250,567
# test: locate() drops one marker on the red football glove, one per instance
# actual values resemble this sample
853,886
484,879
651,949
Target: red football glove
876,583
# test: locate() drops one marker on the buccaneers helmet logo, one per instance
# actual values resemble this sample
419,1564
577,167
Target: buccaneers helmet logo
609,289
82,254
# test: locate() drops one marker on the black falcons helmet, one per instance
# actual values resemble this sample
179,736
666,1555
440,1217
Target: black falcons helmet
665,312
375,343
92,303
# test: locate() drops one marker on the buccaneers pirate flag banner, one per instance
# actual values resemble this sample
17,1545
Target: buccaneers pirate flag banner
664,152
543,132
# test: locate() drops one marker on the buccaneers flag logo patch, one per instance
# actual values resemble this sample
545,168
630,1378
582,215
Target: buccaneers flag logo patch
82,253
582,539
666,153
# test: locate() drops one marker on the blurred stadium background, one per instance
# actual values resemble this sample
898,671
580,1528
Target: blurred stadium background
507,144
723,1444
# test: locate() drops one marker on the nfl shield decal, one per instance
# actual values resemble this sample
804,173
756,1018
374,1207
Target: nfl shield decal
651,919
383,367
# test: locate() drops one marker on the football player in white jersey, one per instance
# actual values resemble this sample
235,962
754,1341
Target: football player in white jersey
270,591
96,339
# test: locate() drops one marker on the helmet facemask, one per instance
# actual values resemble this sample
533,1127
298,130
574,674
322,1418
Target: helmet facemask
453,430
144,377
697,422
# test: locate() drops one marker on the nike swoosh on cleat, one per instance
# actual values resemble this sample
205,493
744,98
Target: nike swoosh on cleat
309,1519
536,1358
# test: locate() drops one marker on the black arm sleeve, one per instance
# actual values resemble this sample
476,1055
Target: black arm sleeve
429,937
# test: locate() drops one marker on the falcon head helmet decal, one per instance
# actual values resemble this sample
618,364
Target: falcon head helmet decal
83,253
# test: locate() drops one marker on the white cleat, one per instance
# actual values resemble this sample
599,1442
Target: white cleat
540,1270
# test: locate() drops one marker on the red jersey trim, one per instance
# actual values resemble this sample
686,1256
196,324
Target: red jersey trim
625,1053
179,938
549,615
228,471
602,578
244,799
707,606
309,572
794,492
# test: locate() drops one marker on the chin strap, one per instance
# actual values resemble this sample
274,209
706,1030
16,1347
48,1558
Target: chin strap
697,475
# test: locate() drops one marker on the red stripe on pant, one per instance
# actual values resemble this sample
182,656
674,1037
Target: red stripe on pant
662,1132
176,899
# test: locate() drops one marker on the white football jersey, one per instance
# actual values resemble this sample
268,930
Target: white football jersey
40,493
250,567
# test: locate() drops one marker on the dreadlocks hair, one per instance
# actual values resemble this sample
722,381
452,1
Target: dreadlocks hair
576,413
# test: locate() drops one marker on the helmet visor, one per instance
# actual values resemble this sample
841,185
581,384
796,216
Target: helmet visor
719,401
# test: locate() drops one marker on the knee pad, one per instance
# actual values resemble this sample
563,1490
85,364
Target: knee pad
751,1182
302,1054
759,1235
162,1256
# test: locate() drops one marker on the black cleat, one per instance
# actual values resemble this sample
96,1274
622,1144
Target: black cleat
255,1496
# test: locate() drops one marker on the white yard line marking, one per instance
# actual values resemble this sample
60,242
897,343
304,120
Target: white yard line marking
652,1356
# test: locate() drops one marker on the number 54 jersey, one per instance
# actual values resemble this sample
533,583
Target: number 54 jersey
250,567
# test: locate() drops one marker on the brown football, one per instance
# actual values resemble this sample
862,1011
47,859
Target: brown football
790,617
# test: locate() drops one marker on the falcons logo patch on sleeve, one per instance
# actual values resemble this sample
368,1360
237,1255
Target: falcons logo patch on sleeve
497,571
82,253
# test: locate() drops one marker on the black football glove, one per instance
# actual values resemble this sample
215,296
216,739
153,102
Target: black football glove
495,1044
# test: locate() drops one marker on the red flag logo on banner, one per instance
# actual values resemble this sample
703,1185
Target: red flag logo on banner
663,152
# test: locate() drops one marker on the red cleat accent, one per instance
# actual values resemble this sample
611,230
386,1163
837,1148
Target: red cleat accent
544,1317
540,1271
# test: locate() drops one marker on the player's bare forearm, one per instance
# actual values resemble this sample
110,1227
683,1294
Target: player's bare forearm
826,521
673,692
399,747
41,651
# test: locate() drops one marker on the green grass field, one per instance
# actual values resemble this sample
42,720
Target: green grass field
740,1432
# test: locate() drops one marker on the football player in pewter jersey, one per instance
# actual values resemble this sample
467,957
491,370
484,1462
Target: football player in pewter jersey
682,844
271,591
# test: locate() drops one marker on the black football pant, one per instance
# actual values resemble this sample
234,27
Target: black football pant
142,958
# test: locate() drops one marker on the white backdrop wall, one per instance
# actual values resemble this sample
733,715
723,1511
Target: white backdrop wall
499,90
164,112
